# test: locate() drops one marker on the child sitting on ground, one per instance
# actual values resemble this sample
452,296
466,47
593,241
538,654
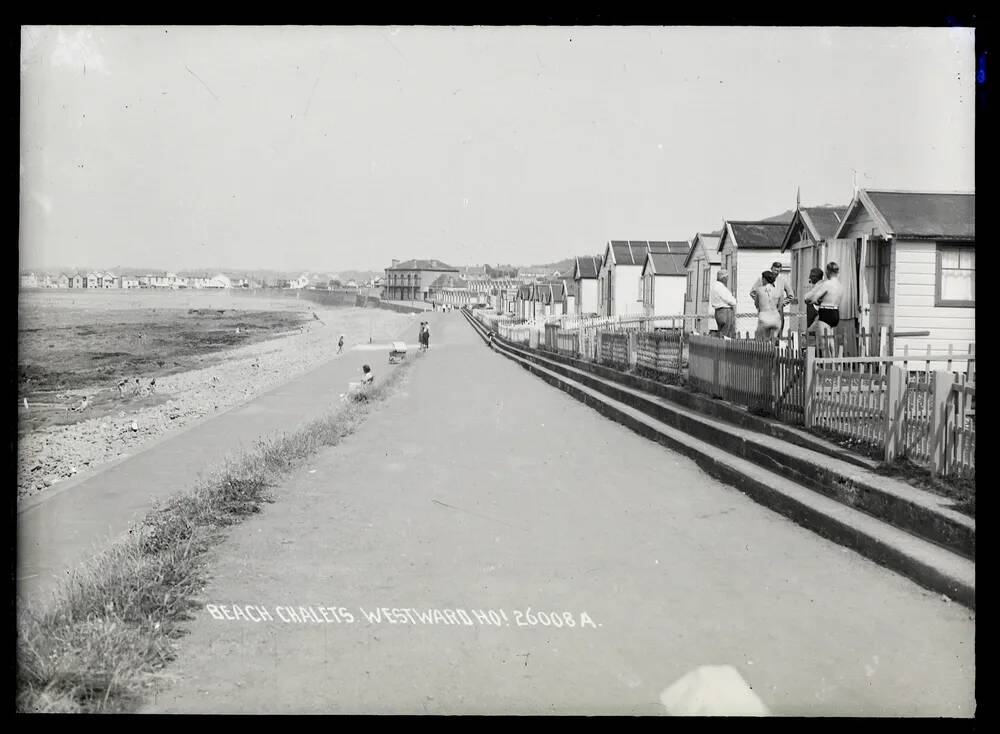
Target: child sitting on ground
368,377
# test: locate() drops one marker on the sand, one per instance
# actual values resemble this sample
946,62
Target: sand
56,453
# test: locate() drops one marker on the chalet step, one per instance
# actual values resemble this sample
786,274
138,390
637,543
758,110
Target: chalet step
928,563
922,513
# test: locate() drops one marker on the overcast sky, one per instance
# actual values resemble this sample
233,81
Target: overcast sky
341,148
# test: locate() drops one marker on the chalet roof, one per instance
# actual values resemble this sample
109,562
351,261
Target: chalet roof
633,252
664,263
756,235
588,266
821,222
422,265
921,215
709,244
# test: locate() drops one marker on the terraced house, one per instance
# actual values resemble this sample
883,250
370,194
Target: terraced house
411,280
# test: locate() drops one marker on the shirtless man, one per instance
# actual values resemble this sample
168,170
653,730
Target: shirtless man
769,302
826,295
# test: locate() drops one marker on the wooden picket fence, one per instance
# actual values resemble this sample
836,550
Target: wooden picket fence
660,352
960,433
741,371
568,342
851,403
613,348
894,410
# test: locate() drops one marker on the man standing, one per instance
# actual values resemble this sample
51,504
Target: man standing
826,295
784,289
724,303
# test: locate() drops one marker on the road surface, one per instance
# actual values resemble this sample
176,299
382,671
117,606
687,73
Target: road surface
480,496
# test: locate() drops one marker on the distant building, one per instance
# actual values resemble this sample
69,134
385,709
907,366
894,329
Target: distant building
62,281
29,280
411,280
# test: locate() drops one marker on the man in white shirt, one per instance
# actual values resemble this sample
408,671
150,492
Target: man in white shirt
784,289
826,296
724,303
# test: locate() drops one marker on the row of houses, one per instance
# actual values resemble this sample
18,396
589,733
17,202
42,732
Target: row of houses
907,263
107,280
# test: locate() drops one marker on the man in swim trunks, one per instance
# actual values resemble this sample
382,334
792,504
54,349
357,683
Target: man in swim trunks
815,276
827,295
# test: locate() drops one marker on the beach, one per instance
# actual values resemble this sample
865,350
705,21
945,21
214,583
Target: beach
118,426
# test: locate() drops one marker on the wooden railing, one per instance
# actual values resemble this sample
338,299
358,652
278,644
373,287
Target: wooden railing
743,371
960,430
660,352
613,349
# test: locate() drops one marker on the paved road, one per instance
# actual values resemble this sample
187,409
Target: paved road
69,525
479,489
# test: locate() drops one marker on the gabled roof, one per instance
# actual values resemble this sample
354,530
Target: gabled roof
633,252
709,244
754,235
422,265
919,215
821,222
587,266
664,263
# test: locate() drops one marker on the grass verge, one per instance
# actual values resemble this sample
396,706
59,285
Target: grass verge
960,489
106,637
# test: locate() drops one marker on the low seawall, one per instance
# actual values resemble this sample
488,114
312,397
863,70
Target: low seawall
346,298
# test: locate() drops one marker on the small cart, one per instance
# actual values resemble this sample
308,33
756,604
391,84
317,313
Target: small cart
397,353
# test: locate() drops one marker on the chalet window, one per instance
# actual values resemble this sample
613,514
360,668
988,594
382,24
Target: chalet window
705,284
689,289
878,269
956,276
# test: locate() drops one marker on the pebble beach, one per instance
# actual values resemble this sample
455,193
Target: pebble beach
56,454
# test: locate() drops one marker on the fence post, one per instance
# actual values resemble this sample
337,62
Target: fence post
895,386
809,391
941,383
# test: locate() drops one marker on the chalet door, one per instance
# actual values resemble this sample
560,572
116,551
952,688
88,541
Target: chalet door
864,306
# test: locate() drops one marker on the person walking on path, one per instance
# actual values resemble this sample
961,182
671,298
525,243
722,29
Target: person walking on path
826,295
723,302
784,288
769,302
340,344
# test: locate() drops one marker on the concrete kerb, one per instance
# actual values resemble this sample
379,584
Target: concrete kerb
888,500
825,524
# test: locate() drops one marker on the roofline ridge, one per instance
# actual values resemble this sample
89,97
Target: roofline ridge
918,191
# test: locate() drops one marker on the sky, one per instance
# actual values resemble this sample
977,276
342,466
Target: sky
341,148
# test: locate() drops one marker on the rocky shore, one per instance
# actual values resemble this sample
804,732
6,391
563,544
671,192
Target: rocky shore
55,454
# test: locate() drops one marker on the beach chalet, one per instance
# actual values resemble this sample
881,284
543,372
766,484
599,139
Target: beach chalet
62,281
664,282
619,282
585,273
747,249
568,290
555,299
29,280
702,265
127,282
919,274
806,240
76,280
91,281
110,280
411,280
522,303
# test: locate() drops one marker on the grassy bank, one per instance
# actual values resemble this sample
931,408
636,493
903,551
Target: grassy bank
106,638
